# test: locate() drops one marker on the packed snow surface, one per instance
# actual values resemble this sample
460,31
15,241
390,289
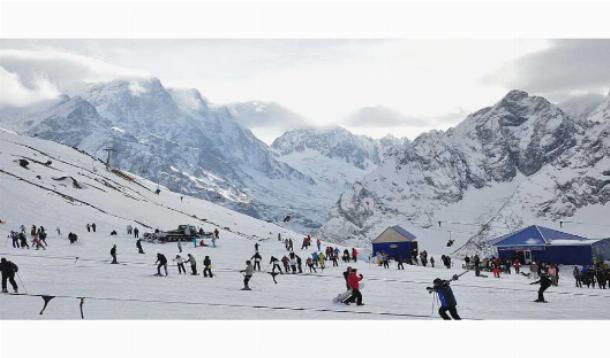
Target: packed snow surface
129,290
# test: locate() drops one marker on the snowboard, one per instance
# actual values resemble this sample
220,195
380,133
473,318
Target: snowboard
342,297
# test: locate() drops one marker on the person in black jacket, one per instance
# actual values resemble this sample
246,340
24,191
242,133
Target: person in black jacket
346,275
139,246
162,262
8,269
257,258
276,264
545,282
113,254
446,298
207,267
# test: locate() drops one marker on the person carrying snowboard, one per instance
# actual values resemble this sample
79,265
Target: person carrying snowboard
248,272
191,260
161,262
113,254
207,267
139,246
446,298
545,282
8,269
180,263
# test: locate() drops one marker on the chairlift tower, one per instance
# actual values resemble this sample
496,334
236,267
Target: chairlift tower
108,151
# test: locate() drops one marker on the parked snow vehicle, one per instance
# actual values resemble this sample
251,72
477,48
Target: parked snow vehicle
182,233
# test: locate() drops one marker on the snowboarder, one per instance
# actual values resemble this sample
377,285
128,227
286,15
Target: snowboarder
161,262
275,262
136,232
207,267
353,281
139,246
8,269
545,282
248,272
180,263
193,263
113,254
446,298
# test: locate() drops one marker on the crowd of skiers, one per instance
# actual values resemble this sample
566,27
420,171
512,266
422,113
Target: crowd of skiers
417,258
38,236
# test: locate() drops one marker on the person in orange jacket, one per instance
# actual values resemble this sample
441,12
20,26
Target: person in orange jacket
353,281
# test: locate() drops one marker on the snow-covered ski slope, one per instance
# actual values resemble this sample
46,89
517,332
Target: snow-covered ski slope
130,291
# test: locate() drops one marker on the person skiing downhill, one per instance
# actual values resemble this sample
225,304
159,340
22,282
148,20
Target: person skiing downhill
545,282
161,262
248,272
446,298
8,270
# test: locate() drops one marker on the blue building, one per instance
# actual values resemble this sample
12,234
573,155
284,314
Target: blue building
541,244
396,242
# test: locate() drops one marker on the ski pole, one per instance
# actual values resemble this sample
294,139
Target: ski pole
21,281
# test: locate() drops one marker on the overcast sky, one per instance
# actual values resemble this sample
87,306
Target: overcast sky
373,87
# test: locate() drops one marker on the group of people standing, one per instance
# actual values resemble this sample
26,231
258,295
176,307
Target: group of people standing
590,275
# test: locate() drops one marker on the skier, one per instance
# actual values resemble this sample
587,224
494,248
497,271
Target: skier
136,233
285,262
354,254
353,281
113,254
446,298
193,263
129,230
161,262
88,227
576,273
399,263
346,275
179,244
93,226
8,269
257,260
180,263
248,272
207,267
15,238
545,282
139,246
58,232
309,263
432,261
275,262
293,262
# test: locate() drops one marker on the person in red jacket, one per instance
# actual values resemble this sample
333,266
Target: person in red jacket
353,281
354,254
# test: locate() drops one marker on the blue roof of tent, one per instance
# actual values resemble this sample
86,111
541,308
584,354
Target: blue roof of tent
404,232
534,236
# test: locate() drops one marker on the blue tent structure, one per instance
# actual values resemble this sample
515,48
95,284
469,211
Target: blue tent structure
541,244
396,242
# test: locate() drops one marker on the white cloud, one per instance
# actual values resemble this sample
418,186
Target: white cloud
30,75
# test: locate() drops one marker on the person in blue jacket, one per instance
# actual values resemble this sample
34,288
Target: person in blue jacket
446,298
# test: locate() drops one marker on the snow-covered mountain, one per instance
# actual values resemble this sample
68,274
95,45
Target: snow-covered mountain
520,161
176,138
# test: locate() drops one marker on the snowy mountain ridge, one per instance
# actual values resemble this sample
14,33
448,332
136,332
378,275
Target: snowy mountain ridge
539,163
